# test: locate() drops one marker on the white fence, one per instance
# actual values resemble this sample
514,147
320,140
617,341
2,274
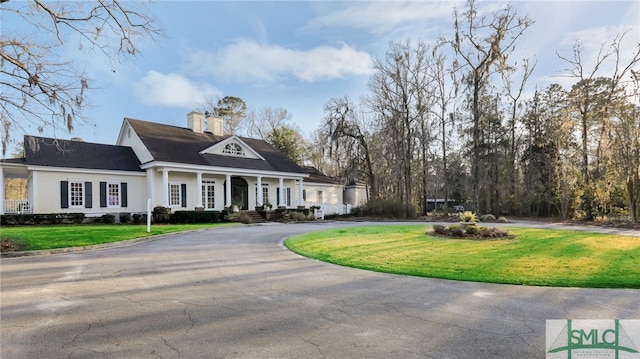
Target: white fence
328,209
17,206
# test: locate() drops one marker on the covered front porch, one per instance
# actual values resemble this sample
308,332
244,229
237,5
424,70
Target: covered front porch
181,188
15,196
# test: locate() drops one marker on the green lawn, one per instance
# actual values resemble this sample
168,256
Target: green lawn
63,236
536,257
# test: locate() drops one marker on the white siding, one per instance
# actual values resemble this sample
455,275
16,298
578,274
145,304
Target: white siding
130,138
47,191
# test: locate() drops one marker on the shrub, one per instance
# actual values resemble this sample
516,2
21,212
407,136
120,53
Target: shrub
125,217
502,220
161,214
53,218
50,218
472,230
241,217
385,208
440,229
196,217
493,232
297,216
468,216
356,211
488,218
107,218
456,231
136,218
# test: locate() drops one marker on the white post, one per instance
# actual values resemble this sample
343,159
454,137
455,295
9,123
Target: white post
199,188
149,215
228,192
151,185
281,202
300,191
259,191
165,188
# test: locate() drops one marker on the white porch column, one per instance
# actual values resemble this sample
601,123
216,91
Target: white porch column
165,188
281,202
259,191
32,190
228,192
2,194
199,189
151,186
300,197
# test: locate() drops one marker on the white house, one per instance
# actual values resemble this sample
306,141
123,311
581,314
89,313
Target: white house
176,167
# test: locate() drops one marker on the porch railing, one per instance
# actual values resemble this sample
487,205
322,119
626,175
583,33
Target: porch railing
17,206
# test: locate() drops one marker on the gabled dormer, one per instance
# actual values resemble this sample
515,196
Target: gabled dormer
232,146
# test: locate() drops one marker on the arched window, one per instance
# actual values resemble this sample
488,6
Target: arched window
233,149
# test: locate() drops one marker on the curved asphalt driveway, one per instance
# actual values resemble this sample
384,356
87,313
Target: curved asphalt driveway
236,293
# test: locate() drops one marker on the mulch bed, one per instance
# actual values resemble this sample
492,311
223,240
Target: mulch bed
8,245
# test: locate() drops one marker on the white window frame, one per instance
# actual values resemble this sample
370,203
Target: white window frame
233,149
208,203
320,197
171,198
81,198
118,186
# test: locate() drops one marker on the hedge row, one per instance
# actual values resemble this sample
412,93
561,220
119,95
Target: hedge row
49,218
197,216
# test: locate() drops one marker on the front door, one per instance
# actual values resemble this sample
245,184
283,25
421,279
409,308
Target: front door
239,193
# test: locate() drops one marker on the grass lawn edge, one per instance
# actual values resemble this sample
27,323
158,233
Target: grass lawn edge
597,280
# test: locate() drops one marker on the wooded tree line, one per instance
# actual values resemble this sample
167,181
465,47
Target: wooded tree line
449,119
452,120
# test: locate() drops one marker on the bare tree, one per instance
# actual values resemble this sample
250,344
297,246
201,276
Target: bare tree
482,44
261,123
398,98
445,87
345,131
40,84
515,96
593,97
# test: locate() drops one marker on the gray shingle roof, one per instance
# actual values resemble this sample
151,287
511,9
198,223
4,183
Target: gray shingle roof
77,154
316,176
181,145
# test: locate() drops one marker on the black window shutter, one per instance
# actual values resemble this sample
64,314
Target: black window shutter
64,194
88,195
183,195
103,194
123,195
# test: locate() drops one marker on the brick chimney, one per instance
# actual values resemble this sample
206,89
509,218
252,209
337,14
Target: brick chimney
214,125
194,121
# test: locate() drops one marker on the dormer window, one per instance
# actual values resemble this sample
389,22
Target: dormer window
233,149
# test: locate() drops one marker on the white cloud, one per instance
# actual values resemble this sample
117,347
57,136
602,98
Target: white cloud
173,90
247,60
383,16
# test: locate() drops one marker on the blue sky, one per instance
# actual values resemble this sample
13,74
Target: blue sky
297,55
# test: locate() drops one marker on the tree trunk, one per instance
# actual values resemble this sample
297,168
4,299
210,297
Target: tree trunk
633,187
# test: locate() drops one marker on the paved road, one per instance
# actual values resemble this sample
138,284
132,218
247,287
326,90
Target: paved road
237,293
